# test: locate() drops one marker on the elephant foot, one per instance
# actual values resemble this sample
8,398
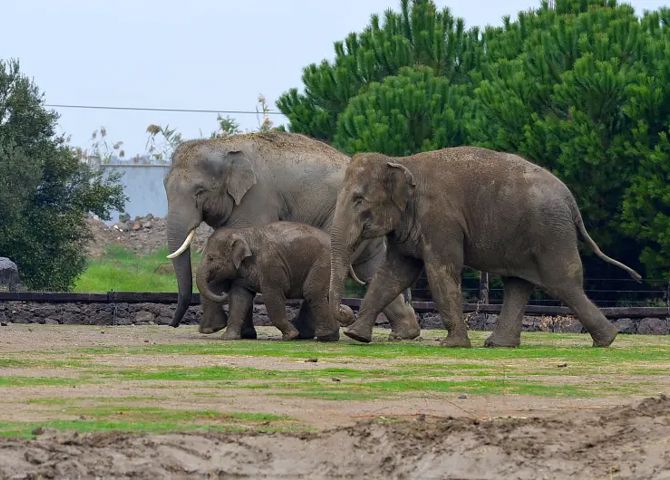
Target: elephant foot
495,340
605,337
249,333
455,341
394,337
209,330
345,316
331,337
231,335
408,333
291,334
406,328
358,332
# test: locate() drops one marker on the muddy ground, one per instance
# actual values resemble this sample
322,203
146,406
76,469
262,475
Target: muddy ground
622,442
417,434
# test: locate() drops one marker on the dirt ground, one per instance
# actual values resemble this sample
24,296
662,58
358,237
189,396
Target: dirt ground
414,435
622,442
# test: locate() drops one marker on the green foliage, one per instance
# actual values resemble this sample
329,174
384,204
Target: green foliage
411,112
579,87
418,35
45,191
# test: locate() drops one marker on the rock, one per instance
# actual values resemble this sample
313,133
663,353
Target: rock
124,217
625,325
653,326
567,325
9,275
147,225
137,226
430,320
51,321
144,317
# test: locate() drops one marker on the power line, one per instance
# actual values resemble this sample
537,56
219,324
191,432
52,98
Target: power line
153,109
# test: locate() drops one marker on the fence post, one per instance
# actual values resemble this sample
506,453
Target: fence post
484,287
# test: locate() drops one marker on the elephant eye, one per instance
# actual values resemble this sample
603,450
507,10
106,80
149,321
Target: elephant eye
358,199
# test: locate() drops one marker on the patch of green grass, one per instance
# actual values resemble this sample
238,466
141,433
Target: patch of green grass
152,420
393,388
19,381
124,271
400,350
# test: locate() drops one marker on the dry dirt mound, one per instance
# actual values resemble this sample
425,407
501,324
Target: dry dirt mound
625,442
143,235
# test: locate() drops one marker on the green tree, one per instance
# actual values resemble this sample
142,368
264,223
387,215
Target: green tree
45,191
580,90
411,112
577,86
418,35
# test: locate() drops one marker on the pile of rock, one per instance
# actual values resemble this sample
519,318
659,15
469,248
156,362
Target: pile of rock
140,223
142,235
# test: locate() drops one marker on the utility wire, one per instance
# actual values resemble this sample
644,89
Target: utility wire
152,109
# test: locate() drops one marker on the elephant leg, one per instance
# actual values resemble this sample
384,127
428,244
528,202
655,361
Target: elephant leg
326,328
395,275
445,285
213,318
400,314
241,303
562,277
602,331
275,303
304,321
248,329
507,332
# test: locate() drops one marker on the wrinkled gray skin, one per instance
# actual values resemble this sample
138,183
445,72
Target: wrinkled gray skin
252,180
280,260
492,211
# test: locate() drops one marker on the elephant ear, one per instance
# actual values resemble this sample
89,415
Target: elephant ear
240,175
240,251
400,184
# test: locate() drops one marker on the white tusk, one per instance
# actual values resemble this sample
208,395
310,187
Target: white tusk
354,276
184,246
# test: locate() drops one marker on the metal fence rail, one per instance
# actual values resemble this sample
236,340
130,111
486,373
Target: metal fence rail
419,306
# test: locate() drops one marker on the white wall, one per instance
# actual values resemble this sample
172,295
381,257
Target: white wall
143,185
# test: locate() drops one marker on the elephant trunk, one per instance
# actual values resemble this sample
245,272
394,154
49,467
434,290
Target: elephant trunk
202,281
179,230
340,261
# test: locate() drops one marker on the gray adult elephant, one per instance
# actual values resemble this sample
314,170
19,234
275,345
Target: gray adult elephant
255,179
492,211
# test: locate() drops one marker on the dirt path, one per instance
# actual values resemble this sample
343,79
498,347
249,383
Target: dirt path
622,442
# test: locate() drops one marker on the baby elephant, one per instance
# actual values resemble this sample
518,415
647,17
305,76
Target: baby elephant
280,260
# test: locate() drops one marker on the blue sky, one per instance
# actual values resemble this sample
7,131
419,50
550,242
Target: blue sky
202,54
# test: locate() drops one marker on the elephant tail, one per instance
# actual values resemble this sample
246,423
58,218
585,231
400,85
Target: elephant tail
579,223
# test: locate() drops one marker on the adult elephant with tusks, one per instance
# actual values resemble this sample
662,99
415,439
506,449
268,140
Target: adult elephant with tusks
256,179
441,210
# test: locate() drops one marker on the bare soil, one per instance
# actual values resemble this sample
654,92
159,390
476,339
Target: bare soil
622,442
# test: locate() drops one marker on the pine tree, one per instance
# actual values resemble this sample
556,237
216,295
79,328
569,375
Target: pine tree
404,114
577,86
418,35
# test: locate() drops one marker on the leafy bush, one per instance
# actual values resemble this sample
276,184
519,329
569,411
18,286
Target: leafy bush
45,191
